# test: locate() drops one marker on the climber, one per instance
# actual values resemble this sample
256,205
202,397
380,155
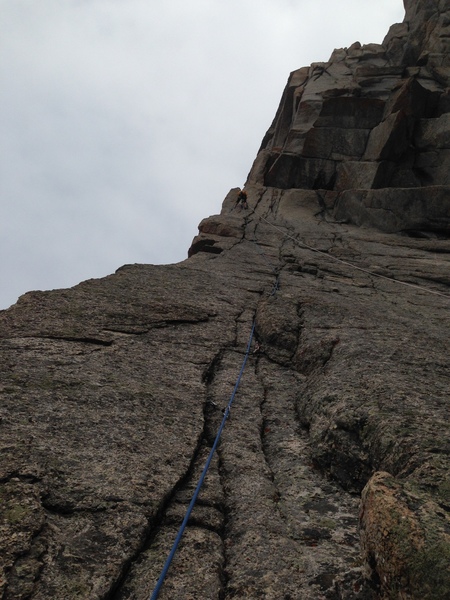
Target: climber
241,201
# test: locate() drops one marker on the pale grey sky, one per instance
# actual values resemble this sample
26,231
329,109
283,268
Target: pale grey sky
125,122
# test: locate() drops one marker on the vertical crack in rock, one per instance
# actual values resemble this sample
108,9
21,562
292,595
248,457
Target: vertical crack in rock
197,565
259,554
317,513
287,528
200,550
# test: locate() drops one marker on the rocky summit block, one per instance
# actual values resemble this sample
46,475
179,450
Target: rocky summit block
374,117
331,478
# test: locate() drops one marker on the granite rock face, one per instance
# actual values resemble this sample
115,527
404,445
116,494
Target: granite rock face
373,117
331,479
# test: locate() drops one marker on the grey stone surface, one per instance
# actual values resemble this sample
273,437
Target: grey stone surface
372,117
331,479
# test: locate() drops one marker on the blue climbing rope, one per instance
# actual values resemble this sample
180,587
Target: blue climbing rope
158,586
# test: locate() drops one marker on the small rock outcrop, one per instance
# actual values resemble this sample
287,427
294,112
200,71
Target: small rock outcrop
331,479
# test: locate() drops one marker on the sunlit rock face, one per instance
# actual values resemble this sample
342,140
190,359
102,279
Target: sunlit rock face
331,478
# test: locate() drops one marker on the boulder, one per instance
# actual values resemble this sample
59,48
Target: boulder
405,539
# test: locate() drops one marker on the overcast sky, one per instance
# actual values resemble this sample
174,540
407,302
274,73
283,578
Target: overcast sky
125,122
